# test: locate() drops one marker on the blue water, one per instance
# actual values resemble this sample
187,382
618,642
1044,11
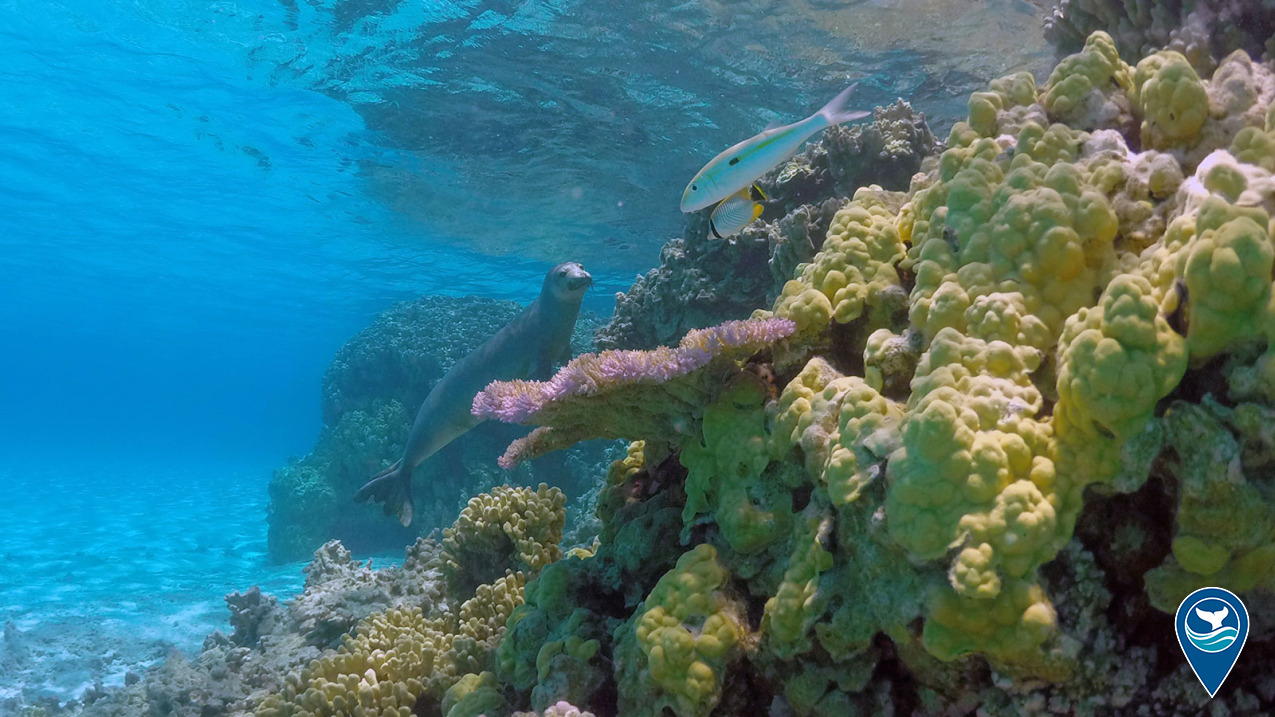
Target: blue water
200,201
183,244
109,563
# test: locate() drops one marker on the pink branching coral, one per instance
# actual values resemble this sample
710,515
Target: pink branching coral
626,394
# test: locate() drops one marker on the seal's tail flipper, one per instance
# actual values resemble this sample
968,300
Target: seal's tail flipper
393,487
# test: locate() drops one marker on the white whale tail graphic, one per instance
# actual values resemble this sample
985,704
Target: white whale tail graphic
1213,618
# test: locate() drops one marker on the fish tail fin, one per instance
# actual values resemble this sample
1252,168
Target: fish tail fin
835,112
393,487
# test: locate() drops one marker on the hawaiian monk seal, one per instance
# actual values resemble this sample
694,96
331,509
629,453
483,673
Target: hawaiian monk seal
527,347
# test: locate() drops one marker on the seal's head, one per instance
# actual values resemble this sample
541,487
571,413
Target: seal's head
567,282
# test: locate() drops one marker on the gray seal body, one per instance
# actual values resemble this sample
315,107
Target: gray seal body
530,346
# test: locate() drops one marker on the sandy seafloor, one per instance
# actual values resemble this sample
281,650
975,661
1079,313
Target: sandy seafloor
106,566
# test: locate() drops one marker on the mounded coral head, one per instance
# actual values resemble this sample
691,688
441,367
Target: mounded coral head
688,631
507,529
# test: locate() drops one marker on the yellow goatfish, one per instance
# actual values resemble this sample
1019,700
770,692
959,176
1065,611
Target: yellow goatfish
741,165
736,212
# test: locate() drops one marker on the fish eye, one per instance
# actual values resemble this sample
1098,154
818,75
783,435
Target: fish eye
694,187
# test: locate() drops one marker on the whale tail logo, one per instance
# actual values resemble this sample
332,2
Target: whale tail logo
1212,626
1213,618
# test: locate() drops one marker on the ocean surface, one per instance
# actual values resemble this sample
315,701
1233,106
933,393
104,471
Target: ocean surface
201,201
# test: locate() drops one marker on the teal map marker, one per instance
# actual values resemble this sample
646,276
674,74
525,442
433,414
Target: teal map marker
1212,625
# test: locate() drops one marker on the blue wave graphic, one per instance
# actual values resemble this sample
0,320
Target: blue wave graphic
1215,640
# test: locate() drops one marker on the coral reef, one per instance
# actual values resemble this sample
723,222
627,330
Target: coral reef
402,635
515,527
1204,32
969,461
900,504
438,647
371,392
702,281
232,674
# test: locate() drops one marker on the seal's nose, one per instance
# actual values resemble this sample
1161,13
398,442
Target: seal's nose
580,281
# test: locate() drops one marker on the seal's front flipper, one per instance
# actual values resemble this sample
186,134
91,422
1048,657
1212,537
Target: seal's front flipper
542,368
393,487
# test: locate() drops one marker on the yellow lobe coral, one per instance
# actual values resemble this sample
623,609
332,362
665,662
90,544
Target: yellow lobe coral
1117,359
807,307
791,614
1085,89
1007,102
1253,146
689,631
971,431
854,273
474,695
508,528
1035,238
845,428
1009,628
1173,102
724,476
1228,277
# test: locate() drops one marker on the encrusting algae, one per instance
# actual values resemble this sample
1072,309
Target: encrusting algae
875,485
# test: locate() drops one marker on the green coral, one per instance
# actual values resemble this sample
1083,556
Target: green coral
688,631
844,427
854,274
1225,534
1116,360
550,645
1228,276
508,528
1010,627
1171,98
1084,89
473,695
791,614
725,472
395,657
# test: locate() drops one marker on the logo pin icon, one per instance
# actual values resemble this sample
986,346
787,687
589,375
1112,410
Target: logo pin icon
1212,625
